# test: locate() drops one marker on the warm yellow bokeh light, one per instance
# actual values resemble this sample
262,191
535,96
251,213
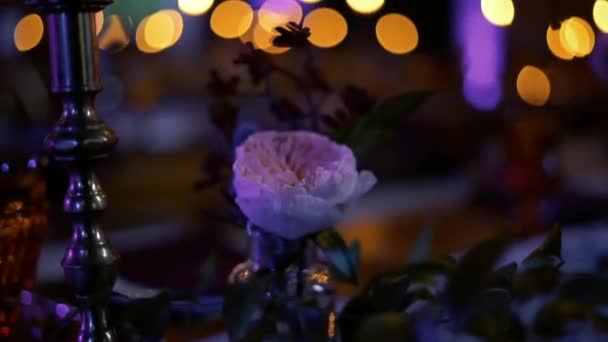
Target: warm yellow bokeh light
533,86
194,7
275,13
365,6
159,31
114,37
328,27
28,32
262,39
140,40
555,45
231,18
397,33
498,12
98,22
577,36
600,15
178,25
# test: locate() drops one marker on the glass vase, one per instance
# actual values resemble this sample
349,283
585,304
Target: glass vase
299,302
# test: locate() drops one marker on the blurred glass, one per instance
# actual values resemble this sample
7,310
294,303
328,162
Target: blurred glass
23,223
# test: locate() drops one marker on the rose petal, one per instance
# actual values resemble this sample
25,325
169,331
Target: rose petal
295,183
366,181
290,217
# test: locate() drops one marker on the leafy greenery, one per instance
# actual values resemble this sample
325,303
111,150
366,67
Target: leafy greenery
376,126
476,298
343,259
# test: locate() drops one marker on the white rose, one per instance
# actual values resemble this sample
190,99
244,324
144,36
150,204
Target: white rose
296,183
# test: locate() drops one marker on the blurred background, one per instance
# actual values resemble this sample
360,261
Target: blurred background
514,134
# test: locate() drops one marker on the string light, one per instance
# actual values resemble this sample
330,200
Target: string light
365,6
600,15
555,45
577,36
275,13
533,86
498,12
231,19
397,33
28,32
194,7
328,27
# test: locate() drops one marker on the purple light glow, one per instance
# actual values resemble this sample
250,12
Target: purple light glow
26,298
599,57
62,310
482,49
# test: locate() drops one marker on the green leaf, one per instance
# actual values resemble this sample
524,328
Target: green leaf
388,294
502,277
421,294
374,127
422,245
343,260
387,327
467,281
535,281
425,271
241,301
549,254
149,317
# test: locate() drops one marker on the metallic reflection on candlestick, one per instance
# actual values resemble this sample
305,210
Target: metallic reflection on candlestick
78,140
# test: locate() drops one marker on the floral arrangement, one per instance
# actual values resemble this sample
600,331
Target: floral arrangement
294,184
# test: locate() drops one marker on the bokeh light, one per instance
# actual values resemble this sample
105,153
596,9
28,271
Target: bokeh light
140,39
310,1
262,39
115,36
159,31
231,18
555,44
365,6
600,15
178,25
397,33
533,86
328,28
577,36
482,48
194,7
498,12
275,13
28,32
98,22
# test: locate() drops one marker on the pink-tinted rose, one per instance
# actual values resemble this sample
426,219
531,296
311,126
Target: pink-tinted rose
296,183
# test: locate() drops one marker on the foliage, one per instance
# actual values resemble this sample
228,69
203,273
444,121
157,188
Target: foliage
477,299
